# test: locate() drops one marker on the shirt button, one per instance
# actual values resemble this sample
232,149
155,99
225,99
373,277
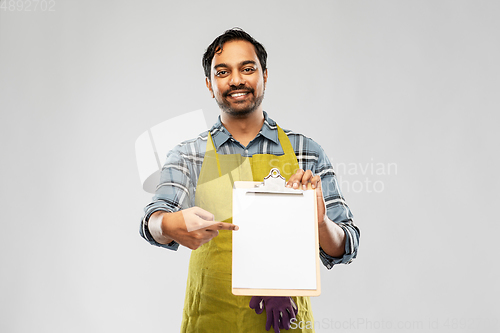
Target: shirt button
246,151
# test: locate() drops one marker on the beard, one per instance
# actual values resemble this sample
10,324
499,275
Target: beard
239,109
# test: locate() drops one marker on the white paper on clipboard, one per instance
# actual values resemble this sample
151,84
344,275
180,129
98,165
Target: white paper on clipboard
275,247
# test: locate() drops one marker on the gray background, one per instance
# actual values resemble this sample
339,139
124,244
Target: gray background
400,94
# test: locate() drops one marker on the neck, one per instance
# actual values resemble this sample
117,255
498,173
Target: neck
243,129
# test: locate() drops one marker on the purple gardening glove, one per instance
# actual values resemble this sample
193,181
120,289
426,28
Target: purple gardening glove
280,310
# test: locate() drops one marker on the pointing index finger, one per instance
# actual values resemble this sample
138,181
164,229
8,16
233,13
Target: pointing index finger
222,226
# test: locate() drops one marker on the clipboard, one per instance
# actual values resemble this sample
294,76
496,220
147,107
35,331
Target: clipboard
276,249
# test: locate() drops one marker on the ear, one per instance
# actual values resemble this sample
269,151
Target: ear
265,78
209,86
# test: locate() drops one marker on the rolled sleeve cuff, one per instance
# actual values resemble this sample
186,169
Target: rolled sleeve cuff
144,231
349,254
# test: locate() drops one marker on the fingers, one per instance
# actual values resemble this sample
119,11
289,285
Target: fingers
194,222
211,223
320,202
256,303
206,215
316,181
195,227
270,319
285,320
288,314
302,178
276,322
306,178
222,226
209,234
295,179
197,218
259,309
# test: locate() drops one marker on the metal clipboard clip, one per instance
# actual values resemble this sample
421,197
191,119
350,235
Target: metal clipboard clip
274,183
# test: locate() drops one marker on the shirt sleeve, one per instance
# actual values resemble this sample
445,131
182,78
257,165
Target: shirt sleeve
337,211
312,157
173,193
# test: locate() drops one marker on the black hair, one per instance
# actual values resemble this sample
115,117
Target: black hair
227,36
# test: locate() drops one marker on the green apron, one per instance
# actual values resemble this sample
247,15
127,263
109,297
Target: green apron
209,305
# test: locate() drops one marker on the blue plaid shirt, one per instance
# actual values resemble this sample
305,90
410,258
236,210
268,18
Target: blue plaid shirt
180,172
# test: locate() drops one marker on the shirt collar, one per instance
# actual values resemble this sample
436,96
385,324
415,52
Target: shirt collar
220,134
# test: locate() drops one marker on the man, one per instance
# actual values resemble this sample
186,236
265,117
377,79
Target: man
192,204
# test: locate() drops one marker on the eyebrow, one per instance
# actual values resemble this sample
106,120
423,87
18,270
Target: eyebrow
243,63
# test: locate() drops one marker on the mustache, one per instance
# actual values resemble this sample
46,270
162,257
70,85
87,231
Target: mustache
240,88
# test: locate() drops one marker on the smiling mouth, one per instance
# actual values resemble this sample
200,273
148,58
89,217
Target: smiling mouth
235,95
238,93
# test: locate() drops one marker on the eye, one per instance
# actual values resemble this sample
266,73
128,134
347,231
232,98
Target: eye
249,70
221,73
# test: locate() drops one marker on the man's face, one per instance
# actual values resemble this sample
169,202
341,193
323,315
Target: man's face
237,81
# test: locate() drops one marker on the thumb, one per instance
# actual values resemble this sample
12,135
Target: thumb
320,202
197,218
255,303
319,189
206,215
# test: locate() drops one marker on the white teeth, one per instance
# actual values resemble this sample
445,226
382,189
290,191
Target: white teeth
238,94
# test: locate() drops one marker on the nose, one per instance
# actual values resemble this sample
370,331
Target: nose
237,79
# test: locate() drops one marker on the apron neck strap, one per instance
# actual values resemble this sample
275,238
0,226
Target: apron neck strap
211,147
285,142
